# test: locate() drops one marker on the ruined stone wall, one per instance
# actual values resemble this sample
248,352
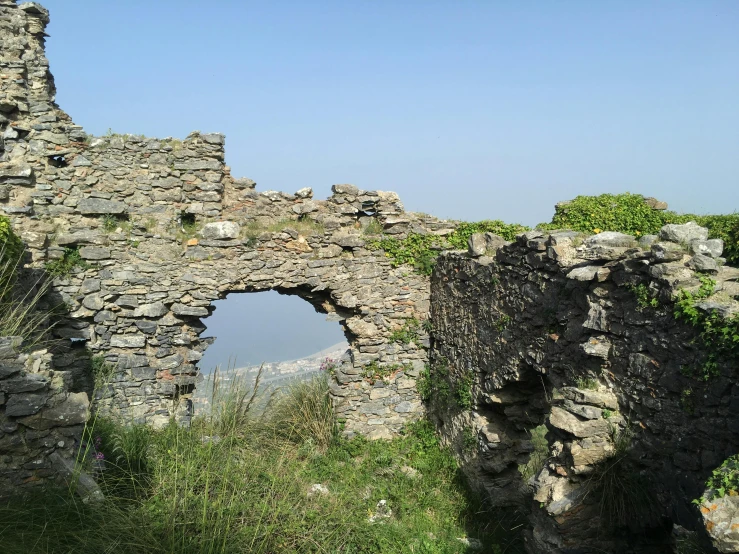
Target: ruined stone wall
161,230
548,331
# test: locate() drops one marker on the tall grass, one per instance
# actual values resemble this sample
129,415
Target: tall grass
20,313
237,483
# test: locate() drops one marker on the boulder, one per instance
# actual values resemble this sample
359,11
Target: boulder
711,247
685,233
220,230
99,206
481,243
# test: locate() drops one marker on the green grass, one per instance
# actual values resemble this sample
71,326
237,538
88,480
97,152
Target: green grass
538,456
20,303
241,484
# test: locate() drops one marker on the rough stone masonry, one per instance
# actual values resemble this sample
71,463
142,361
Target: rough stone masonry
544,330
548,330
128,207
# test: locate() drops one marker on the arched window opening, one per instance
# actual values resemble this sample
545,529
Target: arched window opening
284,335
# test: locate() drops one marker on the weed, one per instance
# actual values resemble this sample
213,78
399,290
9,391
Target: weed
587,383
101,370
433,382
374,371
539,454
20,315
719,336
458,239
424,385
687,401
502,323
463,391
645,297
111,222
373,227
606,413
221,489
407,333
469,440
623,494
70,261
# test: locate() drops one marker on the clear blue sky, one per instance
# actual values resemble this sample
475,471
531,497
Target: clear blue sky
469,109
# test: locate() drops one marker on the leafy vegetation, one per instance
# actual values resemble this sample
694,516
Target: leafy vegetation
407,333
111,222
719,336
421,251
458,239
70,260
469,440
587,383
463,391
725,478
376,372
433,383
645,297
628,213
223,487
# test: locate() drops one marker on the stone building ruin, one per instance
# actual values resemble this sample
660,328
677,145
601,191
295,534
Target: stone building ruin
545,328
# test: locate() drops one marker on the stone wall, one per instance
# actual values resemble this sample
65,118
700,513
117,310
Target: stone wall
548,330
39,416
163,230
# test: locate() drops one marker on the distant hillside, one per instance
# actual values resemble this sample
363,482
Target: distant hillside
274,374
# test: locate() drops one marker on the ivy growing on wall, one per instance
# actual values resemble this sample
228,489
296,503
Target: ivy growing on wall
718,336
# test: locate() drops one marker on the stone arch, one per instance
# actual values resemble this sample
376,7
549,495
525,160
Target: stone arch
141,299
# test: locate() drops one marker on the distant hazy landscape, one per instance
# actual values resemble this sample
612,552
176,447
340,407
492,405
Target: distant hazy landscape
274,374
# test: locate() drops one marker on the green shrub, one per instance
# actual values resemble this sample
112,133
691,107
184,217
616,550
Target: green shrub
458,239
726,228
645,298
628,213
419,251
718,336
625,213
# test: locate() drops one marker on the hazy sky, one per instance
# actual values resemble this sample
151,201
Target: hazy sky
265,327
475,109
